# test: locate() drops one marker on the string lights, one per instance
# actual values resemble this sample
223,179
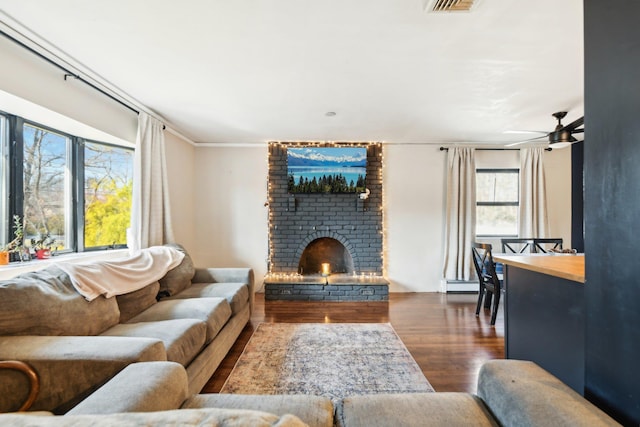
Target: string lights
300,144
278,149
382,209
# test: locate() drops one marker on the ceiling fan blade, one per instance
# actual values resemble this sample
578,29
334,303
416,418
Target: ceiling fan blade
513,144
519,132
561,136
574,124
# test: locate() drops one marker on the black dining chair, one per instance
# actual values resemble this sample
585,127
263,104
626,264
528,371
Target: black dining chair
530,245
517,245
490,283
546,245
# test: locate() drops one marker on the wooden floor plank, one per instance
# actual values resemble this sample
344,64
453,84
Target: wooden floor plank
441,332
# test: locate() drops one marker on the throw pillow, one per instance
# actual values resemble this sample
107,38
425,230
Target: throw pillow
178,278
135,302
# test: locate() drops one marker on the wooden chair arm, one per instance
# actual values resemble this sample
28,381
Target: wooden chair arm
34,381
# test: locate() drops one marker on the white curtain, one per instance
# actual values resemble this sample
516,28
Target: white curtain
461,213
150,213
533,219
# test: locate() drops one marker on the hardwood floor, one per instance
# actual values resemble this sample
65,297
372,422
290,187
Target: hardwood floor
440,331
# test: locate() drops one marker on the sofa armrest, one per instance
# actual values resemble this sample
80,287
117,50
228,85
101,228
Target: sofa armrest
69,368
521,393
222,275
140,387
32,376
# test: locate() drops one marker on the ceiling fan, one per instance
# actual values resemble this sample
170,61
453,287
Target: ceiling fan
562,135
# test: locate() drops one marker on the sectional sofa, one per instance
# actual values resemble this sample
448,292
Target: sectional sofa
141,358
190,316
510,393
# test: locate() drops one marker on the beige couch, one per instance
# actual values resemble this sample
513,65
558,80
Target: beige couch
510,393
76,346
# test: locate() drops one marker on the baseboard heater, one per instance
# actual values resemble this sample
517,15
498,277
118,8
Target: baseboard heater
460,286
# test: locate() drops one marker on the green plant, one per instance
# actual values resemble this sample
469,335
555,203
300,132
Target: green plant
45,242
17,244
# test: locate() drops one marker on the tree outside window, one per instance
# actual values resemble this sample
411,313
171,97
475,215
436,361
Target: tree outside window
108,183
47,198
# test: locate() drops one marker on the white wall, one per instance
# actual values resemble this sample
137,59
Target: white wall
414,194
182,189
230,217
502,159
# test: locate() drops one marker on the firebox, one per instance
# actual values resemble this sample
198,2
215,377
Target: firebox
325,250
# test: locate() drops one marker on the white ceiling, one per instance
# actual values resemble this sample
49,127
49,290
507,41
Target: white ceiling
250,71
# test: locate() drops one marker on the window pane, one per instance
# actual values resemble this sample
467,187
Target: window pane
108,182
497,220
497,186
46,194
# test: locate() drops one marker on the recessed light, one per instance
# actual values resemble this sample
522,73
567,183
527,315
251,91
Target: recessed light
330,113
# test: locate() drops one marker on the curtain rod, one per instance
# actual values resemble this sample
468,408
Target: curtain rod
495,149
68,73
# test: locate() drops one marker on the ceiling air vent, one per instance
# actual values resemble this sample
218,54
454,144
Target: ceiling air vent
450,5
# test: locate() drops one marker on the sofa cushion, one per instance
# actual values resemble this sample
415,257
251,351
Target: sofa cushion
69,368
178,278
135,302
213,311
182,338
521,393
46,303
236,293
140,387
413,409
315,411
178,417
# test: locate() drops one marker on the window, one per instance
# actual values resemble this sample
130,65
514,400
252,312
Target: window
45,184
108,181
497,201
76,192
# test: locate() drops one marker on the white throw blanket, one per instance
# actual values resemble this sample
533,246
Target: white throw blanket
122,275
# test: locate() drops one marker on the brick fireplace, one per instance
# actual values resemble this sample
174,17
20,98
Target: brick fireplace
305,230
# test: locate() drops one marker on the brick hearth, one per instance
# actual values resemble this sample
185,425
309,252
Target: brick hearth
332,288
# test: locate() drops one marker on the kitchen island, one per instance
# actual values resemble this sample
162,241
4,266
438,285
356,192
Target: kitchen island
545,313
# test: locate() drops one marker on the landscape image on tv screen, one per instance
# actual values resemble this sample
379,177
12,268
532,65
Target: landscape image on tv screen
326,169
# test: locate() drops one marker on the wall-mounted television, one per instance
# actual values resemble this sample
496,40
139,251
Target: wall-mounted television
326,169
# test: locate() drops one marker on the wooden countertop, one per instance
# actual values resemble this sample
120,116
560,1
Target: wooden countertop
570,267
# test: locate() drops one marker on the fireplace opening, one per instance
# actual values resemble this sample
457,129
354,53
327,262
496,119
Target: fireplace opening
325,250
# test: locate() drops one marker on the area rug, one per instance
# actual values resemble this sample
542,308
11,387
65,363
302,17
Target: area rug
325,359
